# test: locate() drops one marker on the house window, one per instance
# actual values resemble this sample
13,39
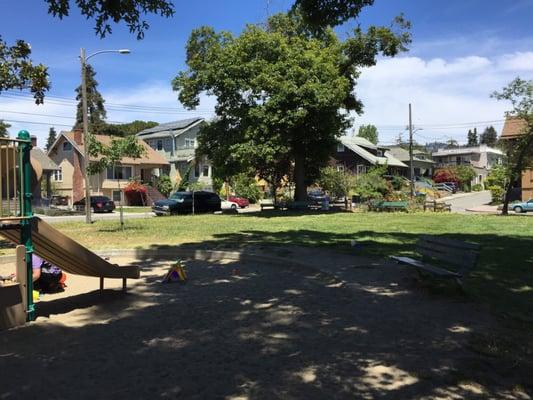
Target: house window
340,148
119,173
67,146
117,196
205,171
190,143
340,168
160,144
58,175
196,170
361,169
380,153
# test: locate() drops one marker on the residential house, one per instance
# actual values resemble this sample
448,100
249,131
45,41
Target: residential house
68,153
513,128
357,154
177,142
43,168
482,158
422,163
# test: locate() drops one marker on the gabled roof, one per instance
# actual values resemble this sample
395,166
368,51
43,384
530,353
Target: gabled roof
357,145
513,127
46,163
170,128
150,157
403,155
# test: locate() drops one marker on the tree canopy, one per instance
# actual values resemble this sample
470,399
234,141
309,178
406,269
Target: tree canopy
52,136
489,136
127,129
369,132
17,70
282,93
519,151
4,126
321,13
95,103
472,137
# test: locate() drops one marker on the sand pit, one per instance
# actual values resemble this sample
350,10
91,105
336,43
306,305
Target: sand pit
254,330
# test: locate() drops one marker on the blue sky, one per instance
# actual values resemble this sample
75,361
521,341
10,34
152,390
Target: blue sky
462,50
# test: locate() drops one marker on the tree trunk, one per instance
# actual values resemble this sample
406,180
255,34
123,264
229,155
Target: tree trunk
300,190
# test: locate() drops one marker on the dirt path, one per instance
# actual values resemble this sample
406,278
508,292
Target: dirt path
361,330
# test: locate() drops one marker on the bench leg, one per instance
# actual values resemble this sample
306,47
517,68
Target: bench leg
124,284
101,284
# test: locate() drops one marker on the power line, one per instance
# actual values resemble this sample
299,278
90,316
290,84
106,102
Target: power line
34,122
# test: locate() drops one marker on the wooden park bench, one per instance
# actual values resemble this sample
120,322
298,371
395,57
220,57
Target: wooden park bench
381,205
437,206
461,255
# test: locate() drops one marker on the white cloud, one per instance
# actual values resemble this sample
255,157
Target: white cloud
442,92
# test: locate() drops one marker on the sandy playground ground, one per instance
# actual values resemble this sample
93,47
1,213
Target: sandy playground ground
363,330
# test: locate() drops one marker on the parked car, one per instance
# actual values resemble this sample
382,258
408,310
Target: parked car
98,204
522,207
241,201
229,205
181,203
316,197
56,200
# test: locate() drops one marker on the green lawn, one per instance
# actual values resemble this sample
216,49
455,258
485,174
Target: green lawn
502,278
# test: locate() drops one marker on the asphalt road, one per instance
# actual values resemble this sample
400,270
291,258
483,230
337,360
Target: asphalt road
462,202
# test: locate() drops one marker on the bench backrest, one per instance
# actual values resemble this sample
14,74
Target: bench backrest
455,252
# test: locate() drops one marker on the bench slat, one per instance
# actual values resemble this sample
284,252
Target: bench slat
427,267
459,258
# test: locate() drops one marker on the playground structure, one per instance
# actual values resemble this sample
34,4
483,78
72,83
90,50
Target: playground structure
32,235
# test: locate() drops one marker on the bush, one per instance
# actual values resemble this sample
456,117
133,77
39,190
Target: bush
497,176
336,183
497,193
246,186
135,193
478,187
373,185
445,175
164,185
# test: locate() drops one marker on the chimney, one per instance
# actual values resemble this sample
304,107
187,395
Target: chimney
33,140
78,136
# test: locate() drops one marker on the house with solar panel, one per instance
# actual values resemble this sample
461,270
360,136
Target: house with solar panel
177,142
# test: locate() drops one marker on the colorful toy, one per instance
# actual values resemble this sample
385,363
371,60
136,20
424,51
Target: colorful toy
176,273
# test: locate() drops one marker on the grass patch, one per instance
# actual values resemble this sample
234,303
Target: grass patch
503,277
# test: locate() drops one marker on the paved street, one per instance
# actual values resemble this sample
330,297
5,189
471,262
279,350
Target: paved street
462,202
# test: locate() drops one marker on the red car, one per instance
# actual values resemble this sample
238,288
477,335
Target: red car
241,201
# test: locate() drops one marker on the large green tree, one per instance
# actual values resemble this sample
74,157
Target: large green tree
472,137
489,136
127,129
282,91
519,151
4,126
17,70
95,104
52,136
369,132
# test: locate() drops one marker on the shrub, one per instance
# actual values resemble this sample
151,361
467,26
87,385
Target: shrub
497,193
246,186
337,183
445,175
373,185
164,185
135,193
497,176
478,187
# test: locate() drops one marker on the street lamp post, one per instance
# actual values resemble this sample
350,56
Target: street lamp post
83,60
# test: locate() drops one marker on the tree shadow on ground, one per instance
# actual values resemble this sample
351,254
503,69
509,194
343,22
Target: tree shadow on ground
270,331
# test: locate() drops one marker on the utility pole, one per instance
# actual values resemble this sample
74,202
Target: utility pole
411,166
85,137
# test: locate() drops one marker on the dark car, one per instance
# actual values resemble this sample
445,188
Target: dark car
241,201
316,197
181,203
59,200
98,204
